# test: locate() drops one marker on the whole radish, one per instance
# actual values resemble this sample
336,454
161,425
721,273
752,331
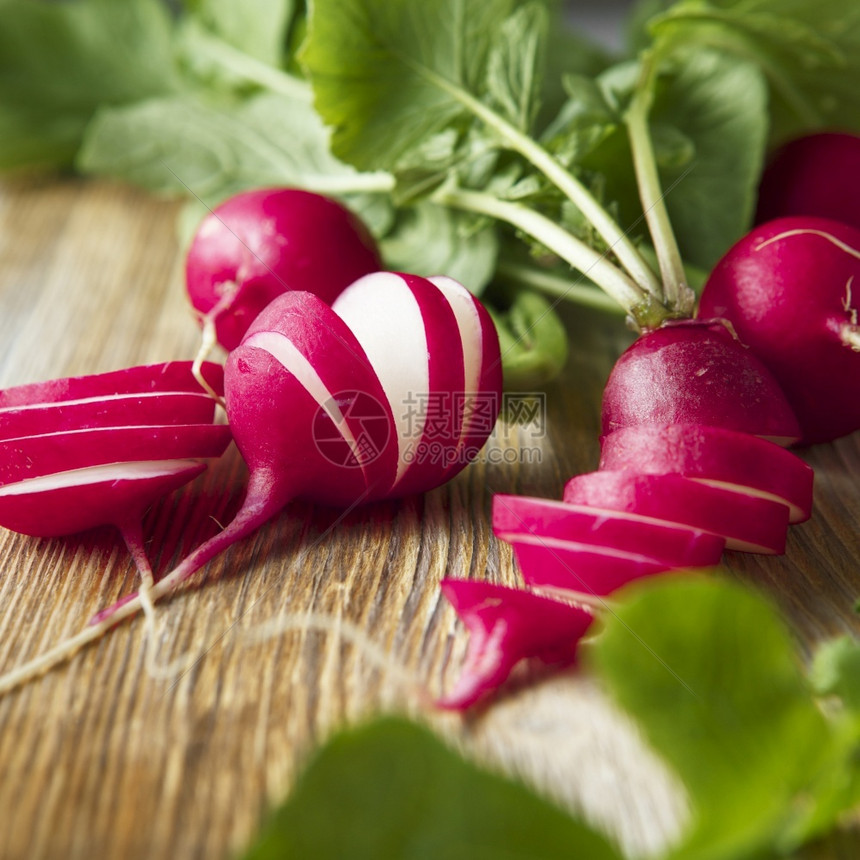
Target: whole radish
818,175
696,372
791,290
261,243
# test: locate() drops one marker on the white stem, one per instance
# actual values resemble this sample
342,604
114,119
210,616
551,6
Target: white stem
573,251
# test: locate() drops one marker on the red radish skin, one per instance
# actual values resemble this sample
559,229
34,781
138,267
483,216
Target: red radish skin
526,518
748,523
506,626
581,571
261,243
696,372
724,458
791,289
816,175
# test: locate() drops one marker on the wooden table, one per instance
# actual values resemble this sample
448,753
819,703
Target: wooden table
99,758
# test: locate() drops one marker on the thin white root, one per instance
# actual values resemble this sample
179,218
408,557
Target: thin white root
345,631
65,650
848,249
208,340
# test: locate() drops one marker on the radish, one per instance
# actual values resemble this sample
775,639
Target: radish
524,517
714,456
313,420
696,372
790,290
748,523
507,625
260,243
818,175
97,450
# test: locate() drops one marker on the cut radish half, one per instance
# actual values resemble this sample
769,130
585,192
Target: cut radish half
507,625
724,458
67,502
672,545
748,523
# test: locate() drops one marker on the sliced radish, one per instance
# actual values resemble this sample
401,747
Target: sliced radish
35,456
712,455
63,503
110,410
672,545
748,523
411,336
168,376
584,570
482,364
507,625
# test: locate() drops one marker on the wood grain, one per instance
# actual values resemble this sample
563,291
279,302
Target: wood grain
100,758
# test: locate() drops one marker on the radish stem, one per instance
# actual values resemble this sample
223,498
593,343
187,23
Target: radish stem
619,243
676,294
608,277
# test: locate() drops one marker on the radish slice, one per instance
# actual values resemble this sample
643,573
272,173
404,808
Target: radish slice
584,571
111,410
170,376
507,625
523,517
748,523
722,458
35,456
482,363
411,336
63,503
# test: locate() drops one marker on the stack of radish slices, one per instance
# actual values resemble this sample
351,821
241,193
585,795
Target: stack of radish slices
692,462
98,450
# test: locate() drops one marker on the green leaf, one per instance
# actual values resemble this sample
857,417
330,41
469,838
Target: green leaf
515,64
256,27
718,107
432,240
59,62
208,149
809,52
533,342
389,74
836,671
392,790
709,672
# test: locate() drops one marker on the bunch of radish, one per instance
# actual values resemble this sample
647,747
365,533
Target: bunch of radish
318,400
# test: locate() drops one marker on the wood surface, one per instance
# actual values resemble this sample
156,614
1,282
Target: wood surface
101,758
